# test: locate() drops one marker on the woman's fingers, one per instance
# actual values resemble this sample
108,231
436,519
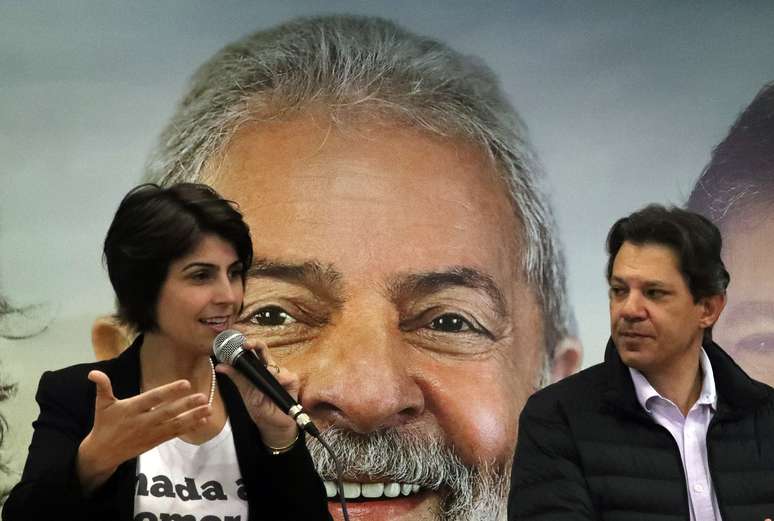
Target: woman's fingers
153,416
277,429
260,349
103,387
187,420
283,376
150,400
241,383
172,408
287,379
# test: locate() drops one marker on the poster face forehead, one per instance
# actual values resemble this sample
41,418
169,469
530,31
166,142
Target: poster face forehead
393,191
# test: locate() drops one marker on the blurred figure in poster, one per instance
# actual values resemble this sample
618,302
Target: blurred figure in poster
15,324
736,192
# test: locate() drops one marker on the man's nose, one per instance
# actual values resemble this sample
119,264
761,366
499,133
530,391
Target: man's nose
360,377
633,307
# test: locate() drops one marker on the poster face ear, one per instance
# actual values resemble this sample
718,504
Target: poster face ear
567,358
108,337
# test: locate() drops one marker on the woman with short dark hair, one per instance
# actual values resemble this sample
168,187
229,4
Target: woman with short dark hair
155,433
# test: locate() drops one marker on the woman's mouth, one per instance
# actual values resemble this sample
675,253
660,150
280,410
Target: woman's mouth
217,324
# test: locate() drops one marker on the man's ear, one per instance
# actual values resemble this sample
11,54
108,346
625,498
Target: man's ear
567,358
108,337
711,307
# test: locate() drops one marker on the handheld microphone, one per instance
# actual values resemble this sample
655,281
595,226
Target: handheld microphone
228,349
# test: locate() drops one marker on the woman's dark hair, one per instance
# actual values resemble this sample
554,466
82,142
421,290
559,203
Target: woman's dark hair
154,226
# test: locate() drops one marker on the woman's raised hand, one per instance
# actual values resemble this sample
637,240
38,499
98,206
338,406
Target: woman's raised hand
124,429
277,428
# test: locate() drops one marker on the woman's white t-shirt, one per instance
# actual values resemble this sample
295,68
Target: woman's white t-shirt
184,482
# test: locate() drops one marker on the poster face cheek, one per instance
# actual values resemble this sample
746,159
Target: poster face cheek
746,327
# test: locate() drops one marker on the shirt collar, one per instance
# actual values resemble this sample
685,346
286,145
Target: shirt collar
707,396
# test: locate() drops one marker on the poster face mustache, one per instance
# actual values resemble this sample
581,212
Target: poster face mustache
410,457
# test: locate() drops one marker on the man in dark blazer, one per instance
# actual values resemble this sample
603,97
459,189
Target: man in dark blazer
668,427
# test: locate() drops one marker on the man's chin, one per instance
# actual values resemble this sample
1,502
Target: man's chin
423,506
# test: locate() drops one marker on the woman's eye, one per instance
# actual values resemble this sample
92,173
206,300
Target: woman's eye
451,323
271,316
200,275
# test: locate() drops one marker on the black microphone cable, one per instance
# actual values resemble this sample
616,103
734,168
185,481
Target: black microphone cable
339,473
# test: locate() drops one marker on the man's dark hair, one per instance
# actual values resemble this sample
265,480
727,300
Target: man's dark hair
692,237
154,226
741,171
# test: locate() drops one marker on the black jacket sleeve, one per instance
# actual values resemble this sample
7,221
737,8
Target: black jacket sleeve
49,486
295,487
547,480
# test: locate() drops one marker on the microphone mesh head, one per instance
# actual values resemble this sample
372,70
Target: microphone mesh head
227,345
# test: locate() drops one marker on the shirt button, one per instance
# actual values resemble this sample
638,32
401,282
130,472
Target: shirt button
698,487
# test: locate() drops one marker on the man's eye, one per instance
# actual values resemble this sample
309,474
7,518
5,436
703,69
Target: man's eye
271,316
617,291
451,323
655,293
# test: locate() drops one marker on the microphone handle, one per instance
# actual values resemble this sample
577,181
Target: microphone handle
250,366
253,369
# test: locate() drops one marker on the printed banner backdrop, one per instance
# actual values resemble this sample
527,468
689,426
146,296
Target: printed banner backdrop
624,104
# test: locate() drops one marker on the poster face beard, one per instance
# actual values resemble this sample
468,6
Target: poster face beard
411,455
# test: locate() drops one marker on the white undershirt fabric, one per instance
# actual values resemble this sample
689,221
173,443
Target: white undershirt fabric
185,482
690,434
